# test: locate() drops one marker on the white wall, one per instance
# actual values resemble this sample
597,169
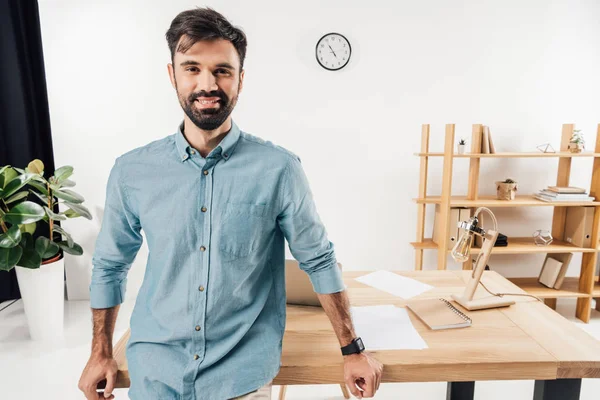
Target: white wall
523,68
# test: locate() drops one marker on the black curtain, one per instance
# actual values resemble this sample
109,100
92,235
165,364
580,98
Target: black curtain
24,115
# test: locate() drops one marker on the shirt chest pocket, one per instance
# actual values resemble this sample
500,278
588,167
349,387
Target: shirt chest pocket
241,227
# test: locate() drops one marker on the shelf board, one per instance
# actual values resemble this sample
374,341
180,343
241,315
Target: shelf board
526,245
569,288
426,244
516,245
561,154
491,201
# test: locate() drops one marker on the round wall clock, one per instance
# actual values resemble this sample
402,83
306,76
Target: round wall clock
333,51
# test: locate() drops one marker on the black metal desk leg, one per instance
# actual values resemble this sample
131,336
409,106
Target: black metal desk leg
460,391
559,389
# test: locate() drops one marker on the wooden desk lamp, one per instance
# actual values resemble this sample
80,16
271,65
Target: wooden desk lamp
461,253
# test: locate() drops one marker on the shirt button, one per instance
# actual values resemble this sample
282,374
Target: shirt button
197,327
196,356
203,209
225,155
205,172
201,288
193,152
202,248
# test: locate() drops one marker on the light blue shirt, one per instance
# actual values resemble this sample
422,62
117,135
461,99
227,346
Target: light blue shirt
209,318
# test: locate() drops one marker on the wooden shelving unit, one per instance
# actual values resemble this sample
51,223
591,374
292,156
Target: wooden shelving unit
585,287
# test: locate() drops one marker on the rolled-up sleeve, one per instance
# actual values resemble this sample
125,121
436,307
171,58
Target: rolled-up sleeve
305,233
117,244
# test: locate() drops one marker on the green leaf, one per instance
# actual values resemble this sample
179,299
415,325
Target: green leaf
42,197
22,171
8,175
28,228
80,209
26,240
64,233
45,247
76,249
30,258
25,213
36,167
10,257
40,187
17,183
63,173
69,195
54,216
18,196
4,168
71,214
11,238
68,183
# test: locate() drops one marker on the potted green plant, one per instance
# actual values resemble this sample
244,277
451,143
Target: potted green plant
39,263
576,143
461,145
506,189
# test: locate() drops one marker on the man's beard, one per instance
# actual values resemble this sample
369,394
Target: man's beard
208,119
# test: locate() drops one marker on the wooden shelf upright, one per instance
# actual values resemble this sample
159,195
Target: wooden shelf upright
585,287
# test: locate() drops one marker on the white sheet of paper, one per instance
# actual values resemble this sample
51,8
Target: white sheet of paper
394,284
386,327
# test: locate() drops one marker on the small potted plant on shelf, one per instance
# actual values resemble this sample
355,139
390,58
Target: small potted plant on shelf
506,190
39,262
576,143
461,146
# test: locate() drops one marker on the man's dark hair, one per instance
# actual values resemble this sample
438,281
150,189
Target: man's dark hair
204,24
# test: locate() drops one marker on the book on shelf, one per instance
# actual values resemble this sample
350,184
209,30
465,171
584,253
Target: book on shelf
487,145
554,270
485,141
492,148
566,189
550,199
562,195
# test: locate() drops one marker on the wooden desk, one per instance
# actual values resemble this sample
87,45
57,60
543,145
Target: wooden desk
527,340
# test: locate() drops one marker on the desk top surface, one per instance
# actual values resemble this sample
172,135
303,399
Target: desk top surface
527,340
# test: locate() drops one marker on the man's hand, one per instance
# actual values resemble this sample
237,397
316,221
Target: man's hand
364,370
97,369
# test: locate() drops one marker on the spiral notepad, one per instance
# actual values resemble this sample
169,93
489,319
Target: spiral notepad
439,313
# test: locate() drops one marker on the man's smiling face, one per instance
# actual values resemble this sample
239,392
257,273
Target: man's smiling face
208,81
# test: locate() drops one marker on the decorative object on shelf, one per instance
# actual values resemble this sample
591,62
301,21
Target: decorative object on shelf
542,237
461,253
576,143
39,262
546,148
333,51
461,145
506,190
579,223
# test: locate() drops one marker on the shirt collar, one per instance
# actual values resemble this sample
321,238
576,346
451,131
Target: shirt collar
226,146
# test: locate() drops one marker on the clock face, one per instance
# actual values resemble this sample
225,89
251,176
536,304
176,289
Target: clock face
333,51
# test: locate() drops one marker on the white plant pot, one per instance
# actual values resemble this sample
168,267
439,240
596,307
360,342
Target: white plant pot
43,293
461,149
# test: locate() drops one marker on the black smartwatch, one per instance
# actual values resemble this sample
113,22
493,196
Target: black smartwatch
355,347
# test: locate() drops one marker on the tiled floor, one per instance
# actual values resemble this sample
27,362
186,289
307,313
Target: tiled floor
29,370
